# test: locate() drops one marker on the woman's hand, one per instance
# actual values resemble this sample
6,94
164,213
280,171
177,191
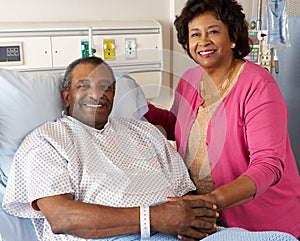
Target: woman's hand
237,192
207,198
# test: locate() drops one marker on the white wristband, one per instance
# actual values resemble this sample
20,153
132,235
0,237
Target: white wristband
145,222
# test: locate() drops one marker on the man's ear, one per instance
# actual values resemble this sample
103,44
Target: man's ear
65,96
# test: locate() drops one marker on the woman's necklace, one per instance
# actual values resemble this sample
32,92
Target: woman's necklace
221,90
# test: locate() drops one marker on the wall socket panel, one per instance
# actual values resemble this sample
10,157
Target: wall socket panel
130,48
109,46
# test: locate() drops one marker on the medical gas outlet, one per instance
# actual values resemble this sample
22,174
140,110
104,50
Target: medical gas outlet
109,47
130,48
85,50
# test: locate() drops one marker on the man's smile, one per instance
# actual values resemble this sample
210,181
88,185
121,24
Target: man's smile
93,105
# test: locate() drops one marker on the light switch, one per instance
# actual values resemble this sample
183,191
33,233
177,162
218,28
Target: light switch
130,48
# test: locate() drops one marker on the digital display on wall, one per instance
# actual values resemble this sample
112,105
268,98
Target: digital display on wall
11,54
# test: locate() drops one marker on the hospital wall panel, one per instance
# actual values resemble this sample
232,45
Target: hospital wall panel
50,46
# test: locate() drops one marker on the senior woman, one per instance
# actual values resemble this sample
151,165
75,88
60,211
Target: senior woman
229,121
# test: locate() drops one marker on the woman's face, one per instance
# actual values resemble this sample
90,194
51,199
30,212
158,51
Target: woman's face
209,41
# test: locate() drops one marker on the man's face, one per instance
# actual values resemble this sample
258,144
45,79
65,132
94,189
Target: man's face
91,94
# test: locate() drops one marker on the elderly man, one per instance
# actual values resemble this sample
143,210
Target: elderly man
88,176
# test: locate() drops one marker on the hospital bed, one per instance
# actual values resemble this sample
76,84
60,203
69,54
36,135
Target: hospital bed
33,57
28,100
31,98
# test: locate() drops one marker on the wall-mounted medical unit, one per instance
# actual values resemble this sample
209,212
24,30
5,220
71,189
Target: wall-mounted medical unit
260,52
133,47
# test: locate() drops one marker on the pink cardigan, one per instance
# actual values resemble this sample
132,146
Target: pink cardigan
247,135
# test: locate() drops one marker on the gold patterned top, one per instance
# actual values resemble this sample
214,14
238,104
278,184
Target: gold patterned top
196,157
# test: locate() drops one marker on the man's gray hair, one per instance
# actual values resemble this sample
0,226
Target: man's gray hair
95,61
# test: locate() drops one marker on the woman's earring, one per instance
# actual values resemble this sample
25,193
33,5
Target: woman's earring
232,45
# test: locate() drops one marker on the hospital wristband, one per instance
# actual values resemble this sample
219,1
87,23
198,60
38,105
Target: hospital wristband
145,222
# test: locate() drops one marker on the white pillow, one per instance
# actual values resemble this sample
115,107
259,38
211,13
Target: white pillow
130,100
26,101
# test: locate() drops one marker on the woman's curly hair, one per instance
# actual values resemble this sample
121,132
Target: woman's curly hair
230,12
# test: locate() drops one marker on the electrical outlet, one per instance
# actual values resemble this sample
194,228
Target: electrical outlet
130,48
109,48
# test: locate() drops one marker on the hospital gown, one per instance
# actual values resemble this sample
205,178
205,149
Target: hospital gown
127,163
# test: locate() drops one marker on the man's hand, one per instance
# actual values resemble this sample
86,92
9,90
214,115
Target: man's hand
192,219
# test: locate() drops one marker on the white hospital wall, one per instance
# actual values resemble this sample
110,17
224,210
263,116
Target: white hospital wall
176,61
81,10
89,10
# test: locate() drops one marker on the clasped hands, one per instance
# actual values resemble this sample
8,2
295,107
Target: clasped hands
191,217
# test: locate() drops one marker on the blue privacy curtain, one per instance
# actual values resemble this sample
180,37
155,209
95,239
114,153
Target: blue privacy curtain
289,82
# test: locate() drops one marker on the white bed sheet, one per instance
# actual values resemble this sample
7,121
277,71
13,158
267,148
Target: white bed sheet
13,228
